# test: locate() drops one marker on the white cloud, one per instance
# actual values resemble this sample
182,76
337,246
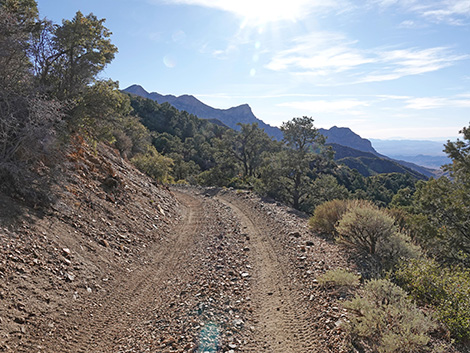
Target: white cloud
409,62
426,103
328,54
319,54
438,102
228,52
453,12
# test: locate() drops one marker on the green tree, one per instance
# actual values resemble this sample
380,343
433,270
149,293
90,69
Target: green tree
99,110
79,49
446,203
154,165
459,152
326,188
247,147
301,137
18,20
25,12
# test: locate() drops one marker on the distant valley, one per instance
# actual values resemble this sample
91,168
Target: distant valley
350,148
426,153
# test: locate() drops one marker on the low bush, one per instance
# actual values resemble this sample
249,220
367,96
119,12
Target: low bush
364,227
339,278
328,214
396,249
373,234
446,289
386,320
154,165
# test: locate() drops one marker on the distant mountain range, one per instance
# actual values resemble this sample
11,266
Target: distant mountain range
350,148
229,117
426,153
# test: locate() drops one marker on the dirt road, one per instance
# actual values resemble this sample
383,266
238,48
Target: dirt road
234,274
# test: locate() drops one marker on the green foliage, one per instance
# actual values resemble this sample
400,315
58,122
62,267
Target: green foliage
300,134
247,147
177,132
446,204
326,188
363,228
77,51
374,235
154,165
339,278
396,249
220,175
25,11
447,289
183,170
18,20
130,136
403,199
289,174
98,111
459,152
386,321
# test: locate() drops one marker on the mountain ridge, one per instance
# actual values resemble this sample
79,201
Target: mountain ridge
231,117
194,106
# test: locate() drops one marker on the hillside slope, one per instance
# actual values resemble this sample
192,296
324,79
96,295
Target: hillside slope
370,164
229,117
54,260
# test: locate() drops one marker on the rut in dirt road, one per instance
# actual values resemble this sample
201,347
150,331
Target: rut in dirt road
146,289
280,320
105,322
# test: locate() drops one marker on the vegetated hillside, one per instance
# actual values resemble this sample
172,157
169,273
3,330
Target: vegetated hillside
207,154
229,117
346,137
370,164
243,114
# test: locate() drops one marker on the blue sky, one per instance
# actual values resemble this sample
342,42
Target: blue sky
384,68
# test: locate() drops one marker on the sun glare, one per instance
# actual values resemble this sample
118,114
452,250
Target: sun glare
260,12
264,11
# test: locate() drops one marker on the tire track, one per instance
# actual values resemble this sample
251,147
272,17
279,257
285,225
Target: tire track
139,293
280,327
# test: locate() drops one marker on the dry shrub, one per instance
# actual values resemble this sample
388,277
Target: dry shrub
328,214
373,234
339,278
364,227
385,320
